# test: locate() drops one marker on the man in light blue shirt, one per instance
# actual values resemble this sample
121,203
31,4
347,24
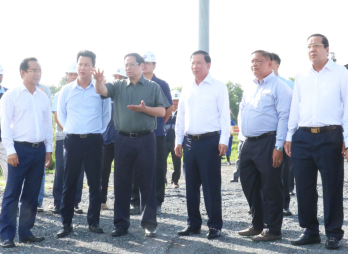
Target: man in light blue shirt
84,116
288,174
264,113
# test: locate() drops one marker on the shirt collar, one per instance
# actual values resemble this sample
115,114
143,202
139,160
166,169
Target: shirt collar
208,79
76,85
22,87
265,80
141,80
328,65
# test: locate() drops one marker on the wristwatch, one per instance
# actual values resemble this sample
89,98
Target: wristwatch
279,148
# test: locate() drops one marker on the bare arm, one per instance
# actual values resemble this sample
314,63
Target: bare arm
152,111
99,86
56,120
168,113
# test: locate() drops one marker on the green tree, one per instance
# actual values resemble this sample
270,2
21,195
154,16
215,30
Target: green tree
235,93
179,88
55,89
292,79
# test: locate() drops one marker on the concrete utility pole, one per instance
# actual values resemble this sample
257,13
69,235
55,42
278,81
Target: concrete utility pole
204,25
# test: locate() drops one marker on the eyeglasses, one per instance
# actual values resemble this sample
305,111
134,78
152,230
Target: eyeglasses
131,65
315,46
35,71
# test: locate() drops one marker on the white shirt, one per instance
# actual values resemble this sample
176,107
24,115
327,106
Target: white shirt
203,108
25,117
318,98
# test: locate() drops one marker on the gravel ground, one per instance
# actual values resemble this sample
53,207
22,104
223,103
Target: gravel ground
172,219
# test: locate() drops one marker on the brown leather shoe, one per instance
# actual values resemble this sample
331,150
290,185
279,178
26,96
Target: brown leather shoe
250,231
266,236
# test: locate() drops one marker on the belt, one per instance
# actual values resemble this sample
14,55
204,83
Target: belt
84,135
201,136
34,145
271,133
134,134
321,129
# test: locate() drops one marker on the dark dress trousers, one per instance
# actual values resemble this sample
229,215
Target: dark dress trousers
311,152
132,153
262,184
203,168
59,176
30,169
88,150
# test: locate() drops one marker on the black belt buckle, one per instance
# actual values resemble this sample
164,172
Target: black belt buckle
83,135
195,137
35,145
133,135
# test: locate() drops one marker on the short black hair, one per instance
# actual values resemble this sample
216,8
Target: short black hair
264,53
324,40
204,53
25,64
276,58
87,53
138,57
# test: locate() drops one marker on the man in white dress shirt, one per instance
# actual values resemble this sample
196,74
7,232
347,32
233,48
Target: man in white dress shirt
315,142
203,111
28,148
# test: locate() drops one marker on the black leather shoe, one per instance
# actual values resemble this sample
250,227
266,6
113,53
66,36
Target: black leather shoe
234,180
119,231
96,228
292,193
64,231
305,239
189,231
332,243
31,239
287,212
150,233
213,233
55,210
8,244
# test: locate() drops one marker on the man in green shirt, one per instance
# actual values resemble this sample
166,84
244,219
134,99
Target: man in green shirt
137,103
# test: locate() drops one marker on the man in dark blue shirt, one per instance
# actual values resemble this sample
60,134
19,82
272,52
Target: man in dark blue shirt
149,67
170,140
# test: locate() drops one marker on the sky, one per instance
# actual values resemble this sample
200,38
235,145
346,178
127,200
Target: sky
54,32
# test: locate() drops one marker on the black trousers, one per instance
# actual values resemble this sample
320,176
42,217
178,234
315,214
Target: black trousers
169,148
89,152
203,167
309,153
236,173
108,157
161,171
139,154
258,175
286,181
